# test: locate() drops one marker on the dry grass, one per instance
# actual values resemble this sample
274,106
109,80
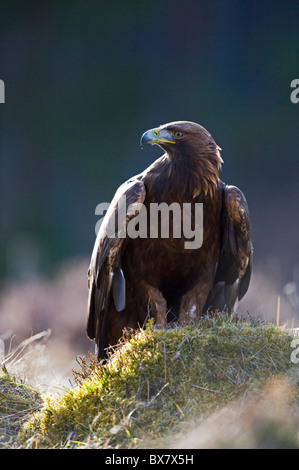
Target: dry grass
17,403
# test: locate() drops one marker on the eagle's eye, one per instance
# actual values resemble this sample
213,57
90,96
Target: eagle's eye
178,134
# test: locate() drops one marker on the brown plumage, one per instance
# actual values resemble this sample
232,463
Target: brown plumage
132,279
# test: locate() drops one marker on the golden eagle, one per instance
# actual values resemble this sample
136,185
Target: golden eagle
132,278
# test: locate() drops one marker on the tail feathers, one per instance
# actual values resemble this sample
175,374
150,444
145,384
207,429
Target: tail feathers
222,296
244,283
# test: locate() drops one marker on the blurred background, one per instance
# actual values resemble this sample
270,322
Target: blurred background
83,81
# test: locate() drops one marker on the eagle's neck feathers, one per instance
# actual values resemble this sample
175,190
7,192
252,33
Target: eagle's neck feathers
191,175
207,166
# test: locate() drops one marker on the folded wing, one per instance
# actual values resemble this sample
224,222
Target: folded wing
235,260
105,276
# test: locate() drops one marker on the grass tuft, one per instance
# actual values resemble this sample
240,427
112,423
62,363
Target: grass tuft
17,403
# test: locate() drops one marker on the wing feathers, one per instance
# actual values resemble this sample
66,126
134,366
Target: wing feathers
105,273
235,259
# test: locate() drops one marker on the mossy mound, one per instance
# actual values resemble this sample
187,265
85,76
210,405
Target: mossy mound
158,382
17,403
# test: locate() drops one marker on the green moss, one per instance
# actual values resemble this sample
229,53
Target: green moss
158,381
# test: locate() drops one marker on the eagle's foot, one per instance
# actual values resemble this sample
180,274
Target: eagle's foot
192,304
187,315
157,306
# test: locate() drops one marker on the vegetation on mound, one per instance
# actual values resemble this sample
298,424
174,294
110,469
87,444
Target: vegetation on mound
158,382
17,404
267,420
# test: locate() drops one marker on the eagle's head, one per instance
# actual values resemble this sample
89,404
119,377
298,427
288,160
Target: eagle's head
192,145
180,138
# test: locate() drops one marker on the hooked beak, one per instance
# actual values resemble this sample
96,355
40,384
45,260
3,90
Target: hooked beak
157,136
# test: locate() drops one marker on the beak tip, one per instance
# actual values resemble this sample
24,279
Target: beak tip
144,139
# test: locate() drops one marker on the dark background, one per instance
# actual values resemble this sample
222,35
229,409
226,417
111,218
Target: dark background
85,79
